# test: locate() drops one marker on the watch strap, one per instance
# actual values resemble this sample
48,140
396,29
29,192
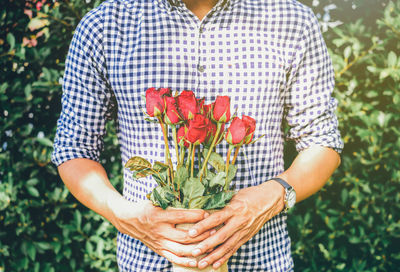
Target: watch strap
282,182
287,189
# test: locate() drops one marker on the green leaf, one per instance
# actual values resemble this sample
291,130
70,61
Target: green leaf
31,250
163,196
159,166
45,142
192,188
215,160
392,59
142,173
181,176
231,173
11,40
198,202
160,173
218,200
137,163
217,180
151,120
78,219
32,182
347,52
33,191
3,88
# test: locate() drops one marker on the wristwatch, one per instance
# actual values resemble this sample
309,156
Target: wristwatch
290,194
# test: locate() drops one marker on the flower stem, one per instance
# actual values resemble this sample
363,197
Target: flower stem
193,154
219,125
182,155
228,158
189,156
176,143
167,154
236,154
198,156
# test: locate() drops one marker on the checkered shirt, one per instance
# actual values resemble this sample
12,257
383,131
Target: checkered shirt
268,56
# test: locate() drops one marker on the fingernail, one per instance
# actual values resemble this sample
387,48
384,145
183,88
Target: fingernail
203,264
192,232
217,264
206,215
213,232
196,252
192,263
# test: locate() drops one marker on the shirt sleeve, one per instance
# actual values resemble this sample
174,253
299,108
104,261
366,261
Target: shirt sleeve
310,108
86,97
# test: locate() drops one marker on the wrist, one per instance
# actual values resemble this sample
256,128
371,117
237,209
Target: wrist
116,208
290,193
278,193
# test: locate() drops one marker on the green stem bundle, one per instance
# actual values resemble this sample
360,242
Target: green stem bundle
219,125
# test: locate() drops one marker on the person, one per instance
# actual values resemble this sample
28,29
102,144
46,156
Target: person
268,56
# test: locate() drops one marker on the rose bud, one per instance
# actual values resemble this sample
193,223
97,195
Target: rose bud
181,136
211,130
251,127
197,130
207,110
155,103
172,115
187,104
222,109
165,92
236,132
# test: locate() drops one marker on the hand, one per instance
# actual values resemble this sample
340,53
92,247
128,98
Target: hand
247,212
155,227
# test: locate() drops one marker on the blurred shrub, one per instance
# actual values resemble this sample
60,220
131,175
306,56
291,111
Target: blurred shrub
42,227
351,225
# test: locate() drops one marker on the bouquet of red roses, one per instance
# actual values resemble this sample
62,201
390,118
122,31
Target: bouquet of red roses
201,178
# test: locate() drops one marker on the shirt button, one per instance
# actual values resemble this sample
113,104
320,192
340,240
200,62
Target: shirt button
201,30
201,68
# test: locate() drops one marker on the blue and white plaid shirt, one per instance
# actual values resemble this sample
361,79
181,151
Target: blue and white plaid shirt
268,56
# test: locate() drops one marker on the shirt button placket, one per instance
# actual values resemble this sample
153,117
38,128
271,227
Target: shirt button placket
201,68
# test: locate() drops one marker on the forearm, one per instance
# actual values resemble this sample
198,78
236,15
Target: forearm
88,182
310,170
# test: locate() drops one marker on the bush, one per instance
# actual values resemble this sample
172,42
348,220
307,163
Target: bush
351,225
42,227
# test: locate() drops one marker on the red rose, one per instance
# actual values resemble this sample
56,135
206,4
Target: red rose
155,103
236,132
187,104
251,127
172,115
165,91
211,130
197,130
200,105
207,110
181,136
222,109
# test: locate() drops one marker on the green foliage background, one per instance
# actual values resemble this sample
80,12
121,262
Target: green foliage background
352,224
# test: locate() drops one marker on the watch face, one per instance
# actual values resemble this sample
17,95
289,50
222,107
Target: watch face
291,198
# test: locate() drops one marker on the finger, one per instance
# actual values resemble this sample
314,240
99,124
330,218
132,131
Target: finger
212,221
182,236
183,261
218,238
177,249
180,216
220,255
